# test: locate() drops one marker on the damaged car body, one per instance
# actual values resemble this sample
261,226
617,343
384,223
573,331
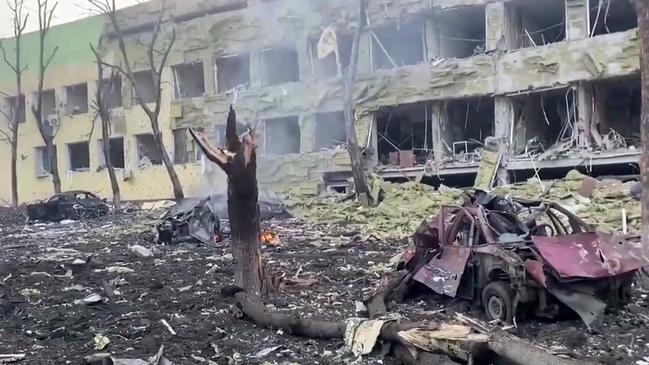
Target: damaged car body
75,205
509,254
188,221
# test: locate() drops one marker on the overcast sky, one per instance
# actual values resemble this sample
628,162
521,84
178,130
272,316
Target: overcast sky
66,11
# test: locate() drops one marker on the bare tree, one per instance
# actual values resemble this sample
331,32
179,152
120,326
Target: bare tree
239,161
358,169
157,50
102,110
47,130
19,23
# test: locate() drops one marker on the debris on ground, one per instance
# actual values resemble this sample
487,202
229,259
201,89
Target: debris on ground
401,210
328,258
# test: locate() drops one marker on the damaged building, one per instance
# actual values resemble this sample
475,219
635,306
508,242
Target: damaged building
554,82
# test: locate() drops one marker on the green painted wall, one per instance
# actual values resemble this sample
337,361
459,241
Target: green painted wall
73,40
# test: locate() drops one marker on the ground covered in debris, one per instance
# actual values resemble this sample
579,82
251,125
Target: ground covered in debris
71,290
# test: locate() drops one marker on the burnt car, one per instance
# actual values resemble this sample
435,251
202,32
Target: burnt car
511,254
190,220
75,205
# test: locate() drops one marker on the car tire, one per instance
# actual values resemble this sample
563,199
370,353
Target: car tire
498,301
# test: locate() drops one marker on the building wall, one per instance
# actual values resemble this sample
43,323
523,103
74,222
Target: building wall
205,31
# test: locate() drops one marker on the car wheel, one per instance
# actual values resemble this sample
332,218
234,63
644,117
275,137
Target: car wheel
498,301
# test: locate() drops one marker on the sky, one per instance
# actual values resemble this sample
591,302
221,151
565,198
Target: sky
66,11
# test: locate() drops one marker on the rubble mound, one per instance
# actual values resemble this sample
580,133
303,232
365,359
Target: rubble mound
402,209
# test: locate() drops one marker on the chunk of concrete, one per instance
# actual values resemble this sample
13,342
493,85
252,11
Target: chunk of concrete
141,251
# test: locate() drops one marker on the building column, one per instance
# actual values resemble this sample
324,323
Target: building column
577,19
590,114
503,23
256,73
503,124
439,121
433,43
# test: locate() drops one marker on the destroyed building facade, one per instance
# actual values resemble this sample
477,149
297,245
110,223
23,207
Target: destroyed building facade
555,82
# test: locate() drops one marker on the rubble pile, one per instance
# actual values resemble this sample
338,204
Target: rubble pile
600,203
402,209
405,206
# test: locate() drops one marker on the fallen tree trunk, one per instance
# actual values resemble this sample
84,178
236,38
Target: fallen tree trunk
414,342
518,351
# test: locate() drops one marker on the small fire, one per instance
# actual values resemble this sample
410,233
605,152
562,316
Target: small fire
269,238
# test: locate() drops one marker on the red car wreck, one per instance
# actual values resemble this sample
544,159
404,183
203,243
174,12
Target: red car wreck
509,254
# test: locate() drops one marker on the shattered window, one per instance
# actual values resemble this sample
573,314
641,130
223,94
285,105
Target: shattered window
282,135
15,109
112,89
329,130
44,161
232,72
280,66
145,85
394,47
79,156
48,107
116,146
148,153
328,66
188,81
76,97
185,148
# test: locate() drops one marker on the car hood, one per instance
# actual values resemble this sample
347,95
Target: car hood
590,255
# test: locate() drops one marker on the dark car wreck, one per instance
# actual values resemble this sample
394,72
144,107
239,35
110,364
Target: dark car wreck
189,220
77,204
512,254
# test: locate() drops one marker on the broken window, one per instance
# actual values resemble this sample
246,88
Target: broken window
48,106
189,81
544,119
328,66
469,122
543,22
116,146
76,97
79,156
148,152
279,66
16,111
329,130
396,46
461,32
232,72
185,148
611,16
44,161
404,133
145,86
620,113
112,92
282,136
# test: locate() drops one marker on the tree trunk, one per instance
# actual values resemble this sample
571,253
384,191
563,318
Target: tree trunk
166,161
358,170
642,11
243,212
54,165
114,186
14,164
239,162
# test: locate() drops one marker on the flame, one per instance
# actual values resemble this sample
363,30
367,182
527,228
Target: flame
269,238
